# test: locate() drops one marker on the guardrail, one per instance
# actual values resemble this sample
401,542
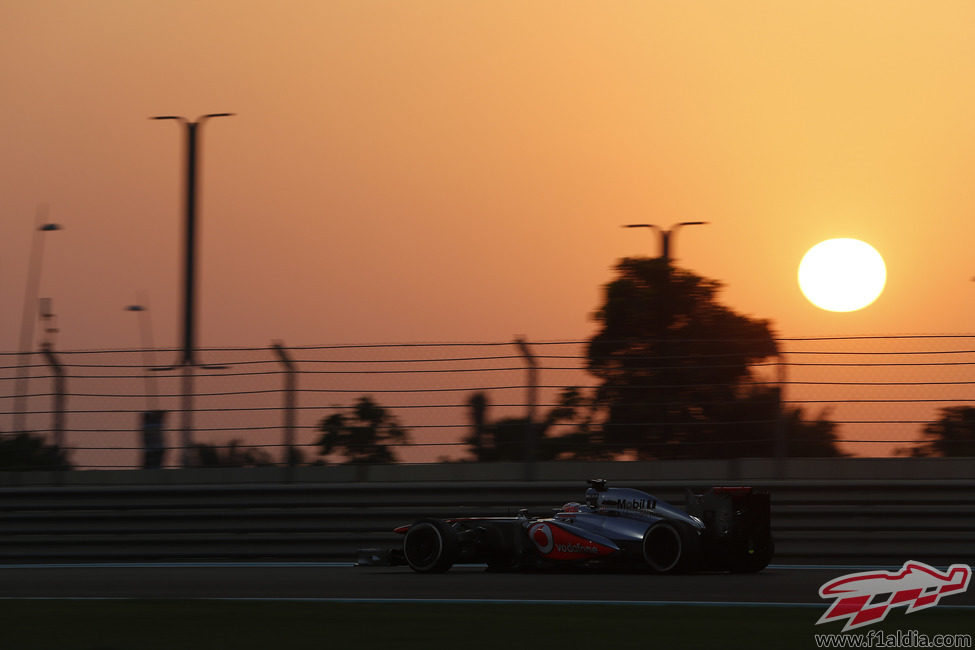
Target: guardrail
863,521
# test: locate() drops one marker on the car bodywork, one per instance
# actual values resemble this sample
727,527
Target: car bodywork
722,529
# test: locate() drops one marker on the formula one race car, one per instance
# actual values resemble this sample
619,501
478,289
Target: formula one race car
727,528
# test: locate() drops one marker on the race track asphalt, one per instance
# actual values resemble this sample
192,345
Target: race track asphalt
777,584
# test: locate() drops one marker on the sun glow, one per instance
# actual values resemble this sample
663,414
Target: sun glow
842,275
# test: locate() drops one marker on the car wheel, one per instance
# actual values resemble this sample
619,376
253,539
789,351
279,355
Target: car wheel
670,547
430,546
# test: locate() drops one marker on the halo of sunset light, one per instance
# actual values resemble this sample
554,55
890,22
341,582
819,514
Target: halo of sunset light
842,275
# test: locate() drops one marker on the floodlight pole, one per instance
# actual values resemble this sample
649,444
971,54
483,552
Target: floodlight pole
665,235
190,247
148,352
29,316
188,354
666,254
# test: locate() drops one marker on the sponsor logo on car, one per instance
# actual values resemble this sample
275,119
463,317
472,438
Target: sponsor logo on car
558,544
640,505
866,598
589,548
541,535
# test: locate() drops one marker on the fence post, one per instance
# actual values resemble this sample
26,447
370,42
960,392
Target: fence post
531,431
60,392
290,403
781,421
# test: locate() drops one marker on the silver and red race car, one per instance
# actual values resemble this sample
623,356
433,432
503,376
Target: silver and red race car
725,529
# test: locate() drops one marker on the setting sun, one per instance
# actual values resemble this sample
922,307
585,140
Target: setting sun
842,275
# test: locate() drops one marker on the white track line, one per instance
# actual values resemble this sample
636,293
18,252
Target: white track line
350,564
450,601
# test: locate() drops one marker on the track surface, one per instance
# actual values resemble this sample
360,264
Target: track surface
316,581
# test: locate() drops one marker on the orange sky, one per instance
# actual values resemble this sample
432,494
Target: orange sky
404,171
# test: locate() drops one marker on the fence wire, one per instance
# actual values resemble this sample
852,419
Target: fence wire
881,391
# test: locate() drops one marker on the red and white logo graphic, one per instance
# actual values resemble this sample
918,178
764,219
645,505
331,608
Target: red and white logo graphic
541,534
866,598
556,543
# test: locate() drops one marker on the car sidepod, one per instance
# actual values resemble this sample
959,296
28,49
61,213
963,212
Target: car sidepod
561,541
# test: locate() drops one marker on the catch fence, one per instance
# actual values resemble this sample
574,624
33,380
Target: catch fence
259,402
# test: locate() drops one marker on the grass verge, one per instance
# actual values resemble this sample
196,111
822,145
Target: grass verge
246,625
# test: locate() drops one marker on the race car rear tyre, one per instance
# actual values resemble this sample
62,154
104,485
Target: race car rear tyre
670,547
431,546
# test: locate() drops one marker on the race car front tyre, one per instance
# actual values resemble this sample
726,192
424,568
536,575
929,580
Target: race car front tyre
430,546
670,547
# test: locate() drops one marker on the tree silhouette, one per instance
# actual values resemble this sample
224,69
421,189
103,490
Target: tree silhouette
506,439
22,452
811,438
751,424
951,435
364,435
677,371
233,454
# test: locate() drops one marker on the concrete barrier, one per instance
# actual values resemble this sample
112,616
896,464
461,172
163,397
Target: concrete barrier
863,511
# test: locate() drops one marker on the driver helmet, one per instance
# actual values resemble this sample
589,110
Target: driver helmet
572,506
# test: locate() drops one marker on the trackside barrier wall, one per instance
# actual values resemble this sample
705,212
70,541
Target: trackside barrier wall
864,511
